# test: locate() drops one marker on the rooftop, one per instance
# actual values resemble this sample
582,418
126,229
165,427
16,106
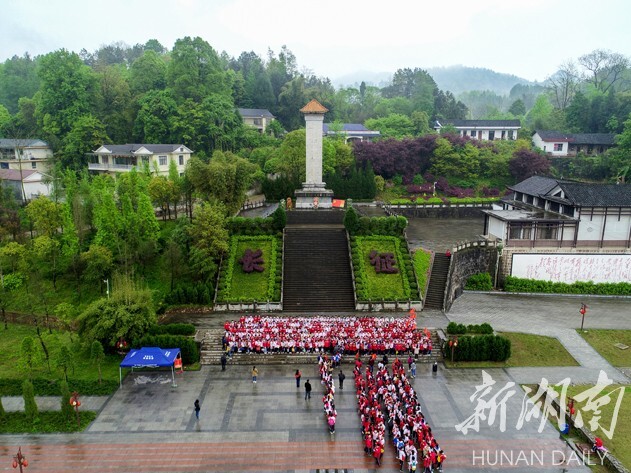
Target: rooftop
479,123
314,107
578,138
255,113
131,149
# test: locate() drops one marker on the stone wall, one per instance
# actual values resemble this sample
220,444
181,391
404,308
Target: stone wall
437,211
468,259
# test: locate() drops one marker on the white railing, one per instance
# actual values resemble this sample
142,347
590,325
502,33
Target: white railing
110,167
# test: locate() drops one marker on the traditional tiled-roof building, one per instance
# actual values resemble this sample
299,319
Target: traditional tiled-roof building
483,129
111,159
556,143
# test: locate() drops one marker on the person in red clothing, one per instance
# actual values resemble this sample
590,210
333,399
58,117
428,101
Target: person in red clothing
376,453
368,443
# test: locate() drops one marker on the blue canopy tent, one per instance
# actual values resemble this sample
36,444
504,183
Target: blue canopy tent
149,357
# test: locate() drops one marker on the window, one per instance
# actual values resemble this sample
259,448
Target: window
162,160
34,165
503,134
474,133
558,146
105,159
511,134
547,231
181,157
258,122
491,135
4,165
145,160
530,199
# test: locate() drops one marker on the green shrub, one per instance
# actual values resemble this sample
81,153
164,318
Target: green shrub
30,407
456,329
479,282
172,329
188,347
190,293
351,220
66,408
2,411
279,218
513,284
481,348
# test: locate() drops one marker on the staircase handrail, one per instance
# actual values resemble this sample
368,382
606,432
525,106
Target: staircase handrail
217,282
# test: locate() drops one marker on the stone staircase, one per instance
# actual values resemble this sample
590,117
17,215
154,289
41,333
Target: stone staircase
437,280
211,351
317,274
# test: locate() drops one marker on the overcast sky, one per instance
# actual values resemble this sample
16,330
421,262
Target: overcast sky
528,38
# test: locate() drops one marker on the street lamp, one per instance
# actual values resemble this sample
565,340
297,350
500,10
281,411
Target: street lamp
20,460
74,402
453,344
583,310
107,291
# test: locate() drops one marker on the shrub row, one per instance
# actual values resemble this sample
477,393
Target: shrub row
481,348
188,347
250,226
47,387
190,293
46,422
391,226
479,282
172,329
458,329
513,284
444,200
421,261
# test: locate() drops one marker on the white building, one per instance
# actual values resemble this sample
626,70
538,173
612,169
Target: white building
31,181
556,143
258,118
558,230
30,154
111,159
486,130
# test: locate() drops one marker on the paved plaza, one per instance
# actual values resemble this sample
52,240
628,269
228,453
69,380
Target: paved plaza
149,425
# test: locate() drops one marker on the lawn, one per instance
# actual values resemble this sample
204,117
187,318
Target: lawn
83,376
46,422
618,445
603,342
526,350
422,259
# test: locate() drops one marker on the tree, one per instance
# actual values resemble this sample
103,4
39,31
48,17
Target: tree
563,85
209,238
291,99
66,92
97,355
526,163
99,262
30,406
66,408
605,68
127,314
64,360
459,161
195,70
113,103
393,126
29,355
148,72
86,135
517,108
292,160
157,111
18,78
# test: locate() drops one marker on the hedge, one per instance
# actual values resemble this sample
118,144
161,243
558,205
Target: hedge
479,282
190,351
481,348
47,387
457,329
513,284
172,329
190,293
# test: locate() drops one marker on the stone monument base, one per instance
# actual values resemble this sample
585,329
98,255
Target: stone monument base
314,198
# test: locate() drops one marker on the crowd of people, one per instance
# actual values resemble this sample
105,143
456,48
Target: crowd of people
388,403
349,335
325,366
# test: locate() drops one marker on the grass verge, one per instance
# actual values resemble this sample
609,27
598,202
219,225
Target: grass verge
603,342
46,422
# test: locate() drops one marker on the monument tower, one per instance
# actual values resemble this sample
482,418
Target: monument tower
313,193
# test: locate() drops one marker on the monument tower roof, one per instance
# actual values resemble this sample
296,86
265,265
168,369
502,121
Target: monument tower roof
314,107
